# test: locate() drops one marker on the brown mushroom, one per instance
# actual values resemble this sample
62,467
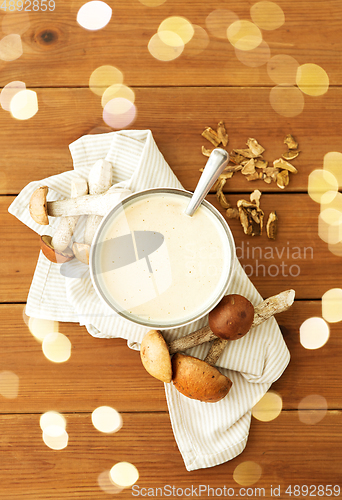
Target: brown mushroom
155,356
56,256
38,206
232,318
196,379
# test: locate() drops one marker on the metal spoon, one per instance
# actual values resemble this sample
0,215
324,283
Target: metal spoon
215,165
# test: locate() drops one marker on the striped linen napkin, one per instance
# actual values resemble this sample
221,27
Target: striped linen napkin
207,434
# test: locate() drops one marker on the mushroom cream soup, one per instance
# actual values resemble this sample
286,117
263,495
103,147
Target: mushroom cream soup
157,264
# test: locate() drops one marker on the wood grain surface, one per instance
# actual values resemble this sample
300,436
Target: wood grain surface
176,100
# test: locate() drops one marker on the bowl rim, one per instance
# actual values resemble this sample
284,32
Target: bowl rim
154,324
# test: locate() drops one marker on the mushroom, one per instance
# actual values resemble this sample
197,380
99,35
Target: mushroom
197,379
154,362
99,204
56,248
155,356
99,180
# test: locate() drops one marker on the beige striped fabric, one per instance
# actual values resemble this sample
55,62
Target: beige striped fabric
207,434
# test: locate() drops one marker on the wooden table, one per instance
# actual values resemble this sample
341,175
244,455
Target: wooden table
176,100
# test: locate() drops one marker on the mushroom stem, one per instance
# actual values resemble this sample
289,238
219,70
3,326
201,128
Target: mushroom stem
99,180
67,224
96,204
273,305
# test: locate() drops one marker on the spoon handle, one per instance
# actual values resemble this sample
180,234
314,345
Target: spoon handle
215,165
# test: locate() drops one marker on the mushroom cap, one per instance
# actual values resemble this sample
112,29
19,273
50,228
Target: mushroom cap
38,206
155,356
196,379
232,318
81,251
53,255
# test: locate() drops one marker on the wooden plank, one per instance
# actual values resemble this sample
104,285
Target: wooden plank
288,452
58,52
293,260
176,117
107,372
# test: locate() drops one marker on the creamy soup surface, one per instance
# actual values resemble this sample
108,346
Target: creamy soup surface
189,267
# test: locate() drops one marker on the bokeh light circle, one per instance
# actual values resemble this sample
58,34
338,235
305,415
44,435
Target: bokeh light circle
244,35
58,442
18,23
56,347
322,183
106,484
40,328
312,79
103,77
106,419
124,474
115,91
330,225
247,473
332,305
312,409
94,15
282,69
119,113
198,43
333,163
51,419
287,100
175,24
314,333
11,47
24,105
256,57
267,15
164,52
8,92
268,408
218,21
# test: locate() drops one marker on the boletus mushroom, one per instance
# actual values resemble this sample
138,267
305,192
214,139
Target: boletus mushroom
155,356
196,379
56,256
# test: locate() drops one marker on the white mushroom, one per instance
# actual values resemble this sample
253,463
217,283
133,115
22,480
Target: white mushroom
99,180
62,237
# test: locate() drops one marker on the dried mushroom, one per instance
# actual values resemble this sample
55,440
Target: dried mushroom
211,136
290,142
222,133
255,147
283,179
291,154
272,225
206,152
233,213
284,165
249,167
251,217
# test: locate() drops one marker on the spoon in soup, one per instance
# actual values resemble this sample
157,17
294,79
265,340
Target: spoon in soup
217,162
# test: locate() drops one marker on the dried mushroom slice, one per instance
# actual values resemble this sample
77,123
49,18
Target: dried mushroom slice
222,133
260,163
272,225
246,153
284,165
254,177
255,147
272,173
220,195
283,179
290,142
291,154
249,167
211,136
206,152
232,213
268,180
251,217
236,158
255,197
